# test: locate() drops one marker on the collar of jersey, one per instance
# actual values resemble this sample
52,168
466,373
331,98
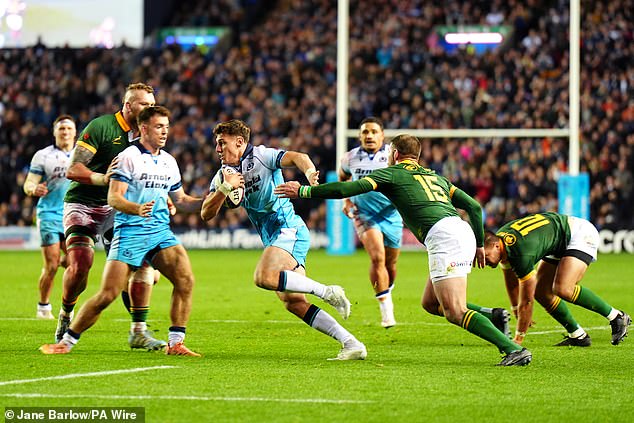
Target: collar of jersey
247,151
380,149
143,150
121,121
409,161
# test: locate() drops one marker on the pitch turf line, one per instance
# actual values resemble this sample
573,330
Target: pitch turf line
189,398
92,374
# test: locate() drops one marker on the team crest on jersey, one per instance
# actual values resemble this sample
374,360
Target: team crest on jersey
508,239
250,166
86,135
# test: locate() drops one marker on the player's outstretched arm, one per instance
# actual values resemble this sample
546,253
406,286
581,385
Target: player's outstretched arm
293,189
464,201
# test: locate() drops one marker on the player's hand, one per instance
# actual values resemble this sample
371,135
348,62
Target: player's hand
312,176
145,209
349,209
480,258
40,190
234,178
114,164
288,190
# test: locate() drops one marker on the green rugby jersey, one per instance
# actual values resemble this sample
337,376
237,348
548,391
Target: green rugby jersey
106,136
531,238
420,195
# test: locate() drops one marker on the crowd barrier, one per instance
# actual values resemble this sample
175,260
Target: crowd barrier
28,238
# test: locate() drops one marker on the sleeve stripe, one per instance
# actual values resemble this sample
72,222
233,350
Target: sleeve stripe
371,181
121,178
87,146
451,191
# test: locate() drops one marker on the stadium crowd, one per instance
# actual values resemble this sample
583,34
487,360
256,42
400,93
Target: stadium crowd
283,86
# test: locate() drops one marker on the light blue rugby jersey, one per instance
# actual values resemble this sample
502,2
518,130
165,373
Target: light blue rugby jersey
261,168
51,164
359,163
149,178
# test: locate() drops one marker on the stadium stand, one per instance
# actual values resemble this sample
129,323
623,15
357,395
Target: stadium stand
283,87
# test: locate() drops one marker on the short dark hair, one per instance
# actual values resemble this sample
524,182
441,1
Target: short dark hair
407,145
233,127
151,111
372,119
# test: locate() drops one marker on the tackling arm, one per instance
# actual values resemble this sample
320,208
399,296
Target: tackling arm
78,170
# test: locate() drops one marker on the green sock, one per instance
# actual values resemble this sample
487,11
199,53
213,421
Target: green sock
139,314
587,299
480,326
560,312
485,311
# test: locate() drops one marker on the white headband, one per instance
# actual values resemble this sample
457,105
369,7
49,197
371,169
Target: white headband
64,121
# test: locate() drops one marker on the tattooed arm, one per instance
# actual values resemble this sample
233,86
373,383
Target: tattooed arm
78,169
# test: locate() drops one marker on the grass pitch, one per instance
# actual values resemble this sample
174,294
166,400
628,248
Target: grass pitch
262,364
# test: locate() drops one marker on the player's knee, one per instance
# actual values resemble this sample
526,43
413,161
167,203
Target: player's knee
429,306
266,280
106,297
453,316
144,275
184,284
564,292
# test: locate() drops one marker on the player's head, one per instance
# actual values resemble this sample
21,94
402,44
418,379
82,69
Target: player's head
154,123
137,97
371,134
232,138
492,249
64,131
404,146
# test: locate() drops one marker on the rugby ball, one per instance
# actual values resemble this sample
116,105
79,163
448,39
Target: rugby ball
234,198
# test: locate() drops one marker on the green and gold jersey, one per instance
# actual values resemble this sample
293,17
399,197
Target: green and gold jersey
531,238
106,136
420,195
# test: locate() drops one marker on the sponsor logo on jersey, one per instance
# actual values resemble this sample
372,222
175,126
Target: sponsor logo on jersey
117,140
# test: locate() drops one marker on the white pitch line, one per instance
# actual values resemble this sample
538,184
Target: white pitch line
92,374
190,398
546,332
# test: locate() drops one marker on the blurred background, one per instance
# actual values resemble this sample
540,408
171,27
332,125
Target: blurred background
273,64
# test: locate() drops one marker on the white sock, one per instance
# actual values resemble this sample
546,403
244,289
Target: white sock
45,307
138,327
386,305
614,313
174,338
579,333
325,323
300,283
69,340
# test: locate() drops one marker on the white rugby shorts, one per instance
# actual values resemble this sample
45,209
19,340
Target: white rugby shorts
451,246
